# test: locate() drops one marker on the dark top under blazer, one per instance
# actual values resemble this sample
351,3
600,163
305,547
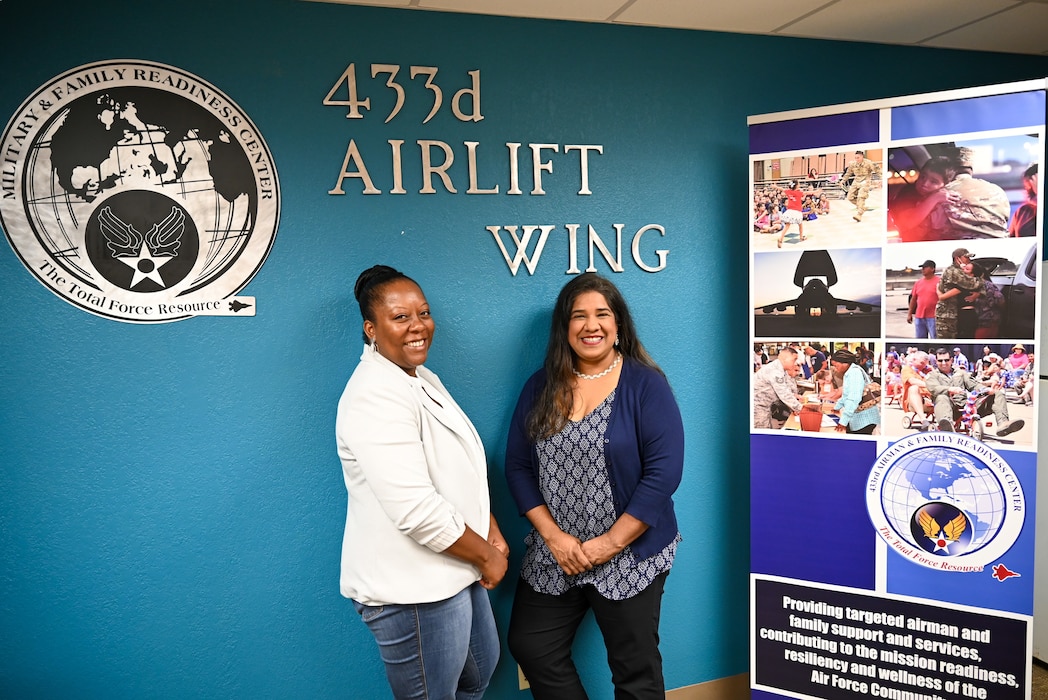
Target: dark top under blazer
644,451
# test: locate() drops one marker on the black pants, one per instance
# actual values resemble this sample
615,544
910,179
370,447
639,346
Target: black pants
542,629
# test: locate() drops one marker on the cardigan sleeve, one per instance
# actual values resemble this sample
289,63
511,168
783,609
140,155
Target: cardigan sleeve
660,435
521,467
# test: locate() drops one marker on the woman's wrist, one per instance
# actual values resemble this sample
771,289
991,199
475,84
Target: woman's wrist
549,533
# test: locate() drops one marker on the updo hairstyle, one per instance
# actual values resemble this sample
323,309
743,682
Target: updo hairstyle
368,290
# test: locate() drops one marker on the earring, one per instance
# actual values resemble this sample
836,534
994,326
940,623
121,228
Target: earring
616,340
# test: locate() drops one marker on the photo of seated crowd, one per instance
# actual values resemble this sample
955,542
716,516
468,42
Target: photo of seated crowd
817,386
982,390
828,198
982,188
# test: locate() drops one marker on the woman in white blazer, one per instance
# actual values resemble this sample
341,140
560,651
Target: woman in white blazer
420,545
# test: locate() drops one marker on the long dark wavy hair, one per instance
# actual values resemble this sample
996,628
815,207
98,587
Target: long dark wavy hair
368,290
552,408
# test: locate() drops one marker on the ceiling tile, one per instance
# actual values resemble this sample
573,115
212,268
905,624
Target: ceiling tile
1021,30
375,3
579,10
751,16
1013,26
893,21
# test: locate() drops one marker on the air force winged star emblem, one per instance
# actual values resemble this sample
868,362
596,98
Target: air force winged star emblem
943,536
144,254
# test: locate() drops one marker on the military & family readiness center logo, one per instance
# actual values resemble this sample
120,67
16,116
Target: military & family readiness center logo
945,501
138,192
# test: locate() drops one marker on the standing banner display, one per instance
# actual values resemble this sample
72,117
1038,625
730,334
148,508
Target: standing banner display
894,253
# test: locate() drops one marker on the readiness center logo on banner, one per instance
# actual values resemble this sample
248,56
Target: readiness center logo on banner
946,501
138,192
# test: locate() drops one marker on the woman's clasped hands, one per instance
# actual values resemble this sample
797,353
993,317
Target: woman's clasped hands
569,553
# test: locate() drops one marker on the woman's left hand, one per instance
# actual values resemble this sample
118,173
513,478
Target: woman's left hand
600,549
496,540
490,560
604,547
493,570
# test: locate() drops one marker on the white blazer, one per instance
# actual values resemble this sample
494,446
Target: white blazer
416,476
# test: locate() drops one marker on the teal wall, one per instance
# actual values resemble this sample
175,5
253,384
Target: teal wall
171,505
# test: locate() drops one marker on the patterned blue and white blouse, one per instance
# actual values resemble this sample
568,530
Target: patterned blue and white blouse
573,478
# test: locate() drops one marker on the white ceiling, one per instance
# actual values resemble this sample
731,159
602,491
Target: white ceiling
1010,26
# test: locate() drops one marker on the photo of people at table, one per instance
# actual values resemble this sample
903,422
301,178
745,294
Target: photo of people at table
818,386
963,189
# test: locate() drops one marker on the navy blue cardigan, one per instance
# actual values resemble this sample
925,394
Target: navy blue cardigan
644,451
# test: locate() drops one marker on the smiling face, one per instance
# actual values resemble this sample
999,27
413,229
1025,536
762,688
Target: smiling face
945,363
402,326
592,330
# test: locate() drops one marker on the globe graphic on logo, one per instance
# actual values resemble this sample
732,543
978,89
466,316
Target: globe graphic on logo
131,157
943,501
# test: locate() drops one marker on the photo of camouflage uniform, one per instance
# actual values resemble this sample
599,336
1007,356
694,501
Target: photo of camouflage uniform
983,211
860,174
984,208
953,277
772,382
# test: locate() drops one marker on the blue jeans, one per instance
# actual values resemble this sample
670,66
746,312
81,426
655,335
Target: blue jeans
924,327
436,651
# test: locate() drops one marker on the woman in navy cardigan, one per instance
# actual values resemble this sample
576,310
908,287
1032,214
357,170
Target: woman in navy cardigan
594,454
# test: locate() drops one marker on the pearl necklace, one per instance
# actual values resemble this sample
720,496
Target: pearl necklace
598,375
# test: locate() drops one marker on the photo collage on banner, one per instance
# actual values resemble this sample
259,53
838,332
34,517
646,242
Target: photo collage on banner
894,250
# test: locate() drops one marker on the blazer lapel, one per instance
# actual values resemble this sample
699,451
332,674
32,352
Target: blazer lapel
449,414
